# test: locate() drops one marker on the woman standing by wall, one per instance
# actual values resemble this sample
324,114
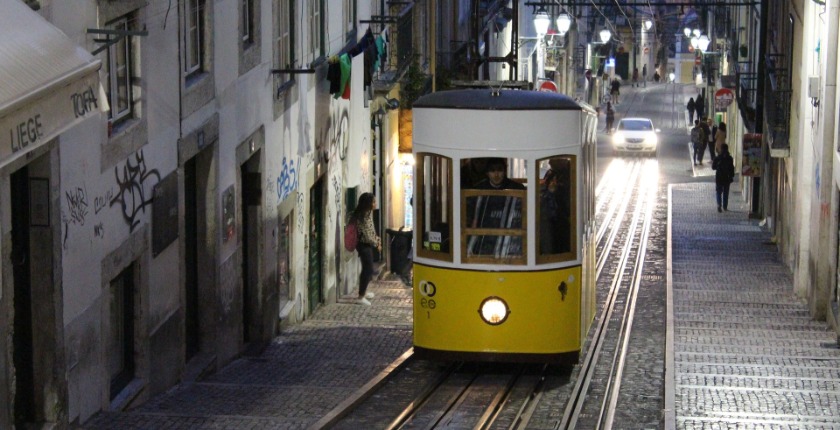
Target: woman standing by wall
368,239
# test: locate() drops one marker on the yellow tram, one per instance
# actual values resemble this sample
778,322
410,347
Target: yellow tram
504,225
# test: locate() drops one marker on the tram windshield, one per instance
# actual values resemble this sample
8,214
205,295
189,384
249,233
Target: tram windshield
493,197
494,210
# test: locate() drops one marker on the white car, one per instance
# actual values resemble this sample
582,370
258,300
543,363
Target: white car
635,135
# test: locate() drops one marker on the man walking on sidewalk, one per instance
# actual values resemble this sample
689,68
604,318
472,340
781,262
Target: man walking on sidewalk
698,142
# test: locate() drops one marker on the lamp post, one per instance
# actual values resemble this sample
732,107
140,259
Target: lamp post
541,23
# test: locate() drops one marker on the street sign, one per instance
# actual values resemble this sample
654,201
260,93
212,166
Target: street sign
723,98
548,86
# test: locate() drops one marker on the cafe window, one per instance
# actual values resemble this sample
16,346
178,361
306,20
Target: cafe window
493,211
556,209
434,206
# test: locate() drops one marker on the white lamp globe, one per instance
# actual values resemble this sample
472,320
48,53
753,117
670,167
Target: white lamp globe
541,23
605,35
648,24
671,76
703,42
564,23
695,42
696,32
687,32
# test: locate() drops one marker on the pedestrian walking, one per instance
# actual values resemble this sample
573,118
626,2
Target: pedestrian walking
720,137
690,106
615,91
710,137
644,75
635,77
698,142
610,117
724,168
368,240
699,105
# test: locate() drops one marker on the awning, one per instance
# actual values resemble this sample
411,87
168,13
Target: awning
47,82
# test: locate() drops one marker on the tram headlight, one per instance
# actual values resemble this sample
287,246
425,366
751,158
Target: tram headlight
494,310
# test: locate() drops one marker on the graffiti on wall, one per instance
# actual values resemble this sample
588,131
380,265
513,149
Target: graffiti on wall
132,196
77,210
299,209
334,137
289,177
77,206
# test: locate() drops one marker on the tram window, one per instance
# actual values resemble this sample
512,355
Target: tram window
493,211
434,208
556,209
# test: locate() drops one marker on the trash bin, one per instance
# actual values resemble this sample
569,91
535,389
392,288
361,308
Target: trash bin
399,250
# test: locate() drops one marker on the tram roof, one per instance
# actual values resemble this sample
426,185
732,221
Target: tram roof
491,99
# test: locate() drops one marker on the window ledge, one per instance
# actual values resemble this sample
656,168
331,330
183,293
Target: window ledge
194,78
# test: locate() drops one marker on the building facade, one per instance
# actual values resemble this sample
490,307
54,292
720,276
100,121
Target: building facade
189,200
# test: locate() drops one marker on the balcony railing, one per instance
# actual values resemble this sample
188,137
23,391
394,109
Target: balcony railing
746,91
400,32
777,96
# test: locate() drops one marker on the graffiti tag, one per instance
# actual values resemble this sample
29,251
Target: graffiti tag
132,195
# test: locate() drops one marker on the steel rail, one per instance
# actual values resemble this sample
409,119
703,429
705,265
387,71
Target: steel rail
584,378
607,413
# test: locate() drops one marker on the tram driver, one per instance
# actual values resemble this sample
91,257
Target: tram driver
495,211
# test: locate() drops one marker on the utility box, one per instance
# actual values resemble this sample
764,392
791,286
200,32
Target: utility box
814,87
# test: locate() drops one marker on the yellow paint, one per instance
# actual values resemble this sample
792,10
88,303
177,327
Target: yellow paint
541,321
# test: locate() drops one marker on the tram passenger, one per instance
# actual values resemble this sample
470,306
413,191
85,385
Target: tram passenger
554,225
496,212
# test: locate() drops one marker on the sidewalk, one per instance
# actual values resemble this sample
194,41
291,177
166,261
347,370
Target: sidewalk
296,380
742,350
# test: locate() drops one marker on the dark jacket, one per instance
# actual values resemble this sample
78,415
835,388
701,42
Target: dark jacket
724,167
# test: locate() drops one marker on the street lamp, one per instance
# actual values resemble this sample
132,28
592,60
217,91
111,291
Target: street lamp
702,43
564,23
648,24
605,35
541,22
687,32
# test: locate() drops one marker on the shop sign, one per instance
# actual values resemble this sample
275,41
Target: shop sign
34,124
751,150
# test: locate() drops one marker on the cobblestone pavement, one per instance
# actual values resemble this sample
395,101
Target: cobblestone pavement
746,354
300,377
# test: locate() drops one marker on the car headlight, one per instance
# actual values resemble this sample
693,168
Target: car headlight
618,138
651,139
494,310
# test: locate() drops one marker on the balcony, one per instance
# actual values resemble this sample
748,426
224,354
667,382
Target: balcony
777,96
746,91
400,29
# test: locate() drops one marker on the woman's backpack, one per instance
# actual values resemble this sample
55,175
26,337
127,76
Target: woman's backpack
351,235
